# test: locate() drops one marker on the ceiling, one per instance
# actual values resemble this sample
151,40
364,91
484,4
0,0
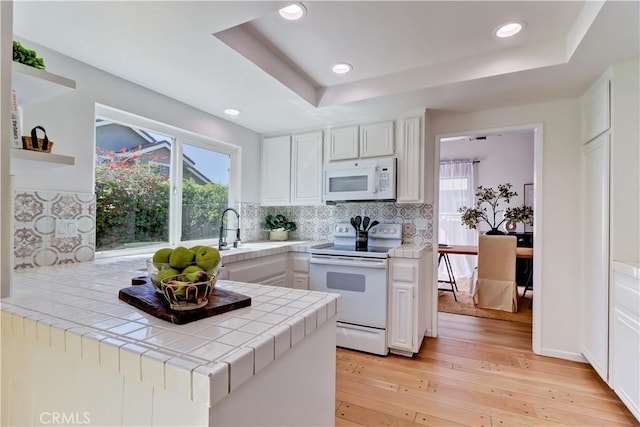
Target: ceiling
407,56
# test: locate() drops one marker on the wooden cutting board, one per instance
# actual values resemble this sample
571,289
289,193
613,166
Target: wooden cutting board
144,296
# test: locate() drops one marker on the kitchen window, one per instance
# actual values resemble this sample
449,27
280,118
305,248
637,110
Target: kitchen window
157,186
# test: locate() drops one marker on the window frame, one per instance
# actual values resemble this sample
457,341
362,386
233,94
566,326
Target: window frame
178,137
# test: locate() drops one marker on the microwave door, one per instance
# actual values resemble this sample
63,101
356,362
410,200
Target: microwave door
350,185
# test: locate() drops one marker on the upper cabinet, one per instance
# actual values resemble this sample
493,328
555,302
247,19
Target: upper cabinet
292,170
409,152
276,167
342,143
376,139
306,169
595,108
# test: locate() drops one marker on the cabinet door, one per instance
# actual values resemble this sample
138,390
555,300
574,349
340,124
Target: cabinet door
410,171
306,169
276,167
376,139
301,281
596,109
401,316
342,143
595,275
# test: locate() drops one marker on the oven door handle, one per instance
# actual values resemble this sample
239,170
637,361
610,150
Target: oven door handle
348,262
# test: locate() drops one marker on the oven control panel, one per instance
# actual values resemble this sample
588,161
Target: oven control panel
380,231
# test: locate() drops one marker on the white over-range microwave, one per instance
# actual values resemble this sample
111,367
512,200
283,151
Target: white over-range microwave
360,179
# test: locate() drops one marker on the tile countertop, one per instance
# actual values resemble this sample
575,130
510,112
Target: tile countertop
75,309
409,250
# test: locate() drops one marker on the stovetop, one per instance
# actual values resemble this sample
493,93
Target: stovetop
382,238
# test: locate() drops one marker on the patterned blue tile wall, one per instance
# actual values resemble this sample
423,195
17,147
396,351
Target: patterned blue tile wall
36,212
316,222
35,215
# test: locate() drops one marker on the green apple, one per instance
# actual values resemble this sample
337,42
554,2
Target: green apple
208,258
191,269
195,248
196,276
163,274
181,257
161,257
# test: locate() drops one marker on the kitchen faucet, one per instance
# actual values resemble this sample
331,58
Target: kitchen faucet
222,241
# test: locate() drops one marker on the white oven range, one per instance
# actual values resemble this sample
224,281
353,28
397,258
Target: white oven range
361,279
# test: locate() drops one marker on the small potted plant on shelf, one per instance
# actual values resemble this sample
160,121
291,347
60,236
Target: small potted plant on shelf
278,227
472,216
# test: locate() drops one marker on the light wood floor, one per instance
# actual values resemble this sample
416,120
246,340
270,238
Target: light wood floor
478,372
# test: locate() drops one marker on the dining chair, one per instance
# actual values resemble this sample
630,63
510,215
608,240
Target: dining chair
496,286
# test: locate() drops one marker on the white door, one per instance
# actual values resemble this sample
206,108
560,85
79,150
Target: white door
376,139
595,278
401,320
276,171
306,169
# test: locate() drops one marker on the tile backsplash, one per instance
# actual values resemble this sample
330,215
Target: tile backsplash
35,216
36,213
316,222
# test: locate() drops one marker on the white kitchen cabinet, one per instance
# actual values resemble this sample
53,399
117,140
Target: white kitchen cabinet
595,273
376,139
306,169
624,363
268,270
595,107
300,270
401,312
342,143
408,317
409,152
276,171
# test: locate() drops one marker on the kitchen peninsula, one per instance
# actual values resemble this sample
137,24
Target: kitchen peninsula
72,351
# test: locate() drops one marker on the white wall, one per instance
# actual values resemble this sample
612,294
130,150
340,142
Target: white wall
70,123
559,249
503,158
625,162
6,198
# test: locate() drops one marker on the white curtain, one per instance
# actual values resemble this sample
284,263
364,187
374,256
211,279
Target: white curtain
457,188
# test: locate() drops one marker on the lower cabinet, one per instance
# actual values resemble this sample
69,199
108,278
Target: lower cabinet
408,310
300,270
624,352
268,270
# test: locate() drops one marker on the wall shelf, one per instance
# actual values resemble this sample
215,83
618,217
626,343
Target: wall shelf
26,161
33,85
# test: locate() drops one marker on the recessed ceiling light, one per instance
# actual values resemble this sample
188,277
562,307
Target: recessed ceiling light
342,68
293,12
508,30
232,111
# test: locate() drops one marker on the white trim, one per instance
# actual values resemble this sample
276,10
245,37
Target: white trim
567,355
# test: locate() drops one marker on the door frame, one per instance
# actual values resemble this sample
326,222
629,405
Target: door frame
538,237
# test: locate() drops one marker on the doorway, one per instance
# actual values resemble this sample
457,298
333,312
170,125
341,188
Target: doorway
498,156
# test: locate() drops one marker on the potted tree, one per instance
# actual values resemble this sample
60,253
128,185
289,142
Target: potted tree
488,198
278,227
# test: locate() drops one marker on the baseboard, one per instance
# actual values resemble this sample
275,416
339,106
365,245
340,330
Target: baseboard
567,355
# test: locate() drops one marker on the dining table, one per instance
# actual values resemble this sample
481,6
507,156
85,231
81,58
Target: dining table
444,250
473,250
